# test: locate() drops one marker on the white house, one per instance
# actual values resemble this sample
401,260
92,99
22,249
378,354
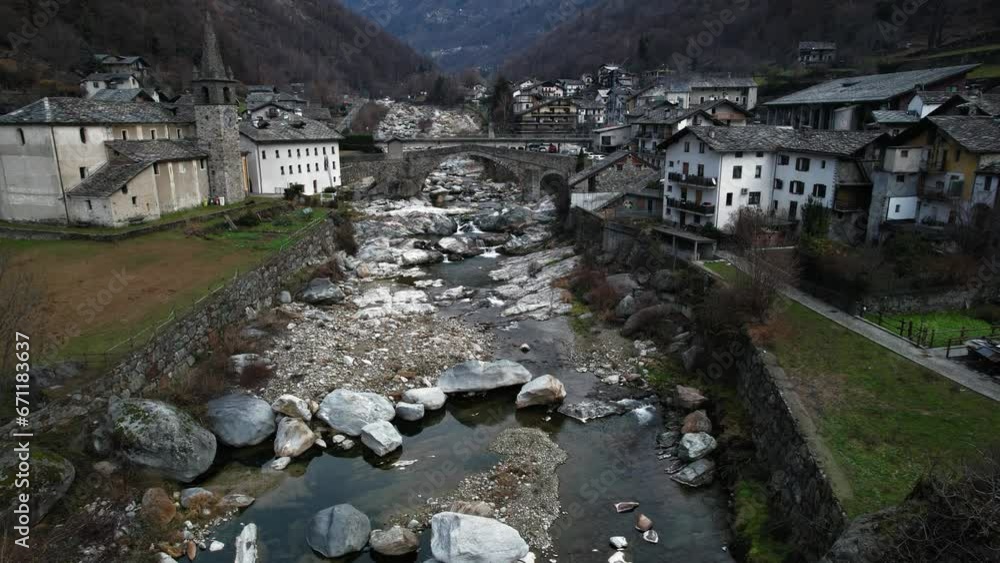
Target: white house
289,151
712,172
98,81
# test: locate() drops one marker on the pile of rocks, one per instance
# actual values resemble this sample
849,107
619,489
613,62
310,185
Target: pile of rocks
404,120
687,449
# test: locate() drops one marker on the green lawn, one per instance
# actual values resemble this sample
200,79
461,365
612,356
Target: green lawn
728,272
985,71
885,420
943,324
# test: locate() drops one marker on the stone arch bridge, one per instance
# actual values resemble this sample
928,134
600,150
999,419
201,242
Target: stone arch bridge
402,174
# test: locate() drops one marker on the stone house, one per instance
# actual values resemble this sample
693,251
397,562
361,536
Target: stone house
99,81
813,53
291,150
612,138
119,64
617,173
846,104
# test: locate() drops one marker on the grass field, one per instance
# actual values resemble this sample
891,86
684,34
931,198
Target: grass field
886,420
943,325
95,295
728,272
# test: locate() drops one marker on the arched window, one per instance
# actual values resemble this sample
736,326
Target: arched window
83,135
20,136
204,95
226,95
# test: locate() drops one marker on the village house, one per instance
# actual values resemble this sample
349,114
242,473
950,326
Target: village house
714,171
612,138
572,86
591,113
846,104
611,76
291,151
652,126
557,116
88,162
813,53
939,172
100,81
696,89
982,105
117,64
622,185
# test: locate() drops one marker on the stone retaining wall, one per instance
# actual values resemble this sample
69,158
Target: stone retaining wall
788,445
923,302
176,347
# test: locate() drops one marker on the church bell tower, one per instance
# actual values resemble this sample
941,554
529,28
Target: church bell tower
217,122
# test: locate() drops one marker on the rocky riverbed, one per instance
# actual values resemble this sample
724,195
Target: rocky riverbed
390,414
410,121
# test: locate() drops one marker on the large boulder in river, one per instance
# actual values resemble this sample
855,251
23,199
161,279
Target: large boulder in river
350,411
432,398
322,291
158,436
381,437
461,538
695,446
697,421
294,438
462,246
51,476
290,405
513,220
689,398
483,376
697,474
338,530
394,542
240,420
545,390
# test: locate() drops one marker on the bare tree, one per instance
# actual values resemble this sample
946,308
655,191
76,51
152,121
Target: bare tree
765,272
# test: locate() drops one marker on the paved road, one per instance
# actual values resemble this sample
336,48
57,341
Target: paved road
930,359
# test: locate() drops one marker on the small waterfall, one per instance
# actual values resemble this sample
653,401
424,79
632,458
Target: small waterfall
491,252
469,228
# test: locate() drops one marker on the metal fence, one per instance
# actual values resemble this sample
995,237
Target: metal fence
925,336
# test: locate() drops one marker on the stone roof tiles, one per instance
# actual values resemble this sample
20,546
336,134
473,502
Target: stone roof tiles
871,88
66,111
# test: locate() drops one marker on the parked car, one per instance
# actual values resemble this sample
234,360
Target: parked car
596,157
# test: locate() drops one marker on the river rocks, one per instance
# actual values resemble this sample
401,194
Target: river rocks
512,220
338,530
461,538
666,281
240,362
478,376
246,545
157,508
290,405
627,506
545,390
418,257
626,307
622,284
383,302
236,500
689,398
589,409
690,357
381,437
668,439
349,411
696,446
698,474
618,542
646,320
409,412
196,496
643,523
477,508
460,246
294,438
322,291
51,476
432,398
279,464
158,436
240,420
696,422
650,536
394,542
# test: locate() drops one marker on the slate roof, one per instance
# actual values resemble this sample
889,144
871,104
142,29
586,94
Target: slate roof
120,95
603,165
870,88
993,169
66,111
289,131
320,114
118,59
772,138
975,134
107,77
937,96
129,159
988,104
895,116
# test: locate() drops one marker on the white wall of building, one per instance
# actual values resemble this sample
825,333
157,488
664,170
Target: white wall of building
275,166
30,187
902,208
181,184
746,189
822,171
